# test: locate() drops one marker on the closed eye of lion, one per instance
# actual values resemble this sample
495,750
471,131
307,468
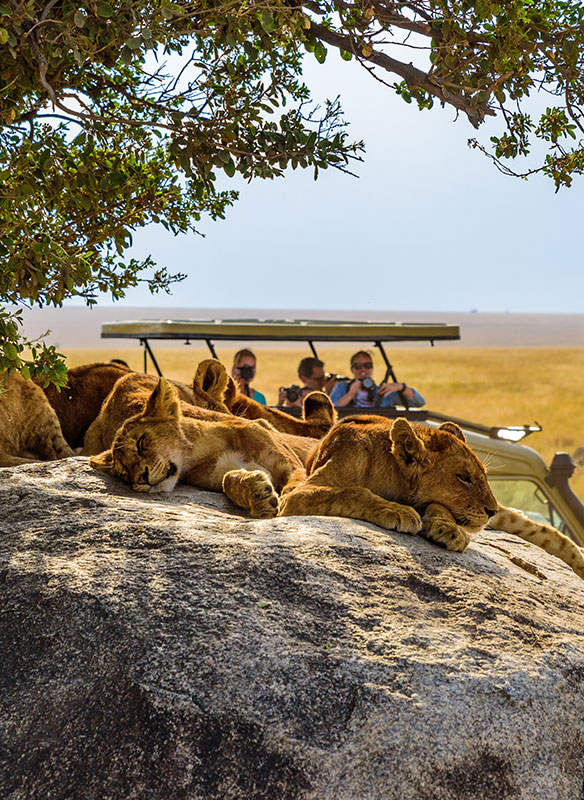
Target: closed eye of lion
414,479
160,446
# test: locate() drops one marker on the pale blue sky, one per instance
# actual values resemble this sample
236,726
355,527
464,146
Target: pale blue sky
430,225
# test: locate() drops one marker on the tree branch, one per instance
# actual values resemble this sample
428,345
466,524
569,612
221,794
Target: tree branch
413,76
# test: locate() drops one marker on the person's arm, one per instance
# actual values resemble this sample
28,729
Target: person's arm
340,400
389,388
414,398
392,398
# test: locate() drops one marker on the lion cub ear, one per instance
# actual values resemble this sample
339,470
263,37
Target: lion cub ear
163,402
211,377
452,427
104,462
407,446
318,407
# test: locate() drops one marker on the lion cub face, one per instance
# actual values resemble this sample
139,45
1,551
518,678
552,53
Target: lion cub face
451,474
148,450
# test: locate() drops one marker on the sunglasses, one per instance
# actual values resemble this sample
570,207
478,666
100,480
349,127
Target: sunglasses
362,365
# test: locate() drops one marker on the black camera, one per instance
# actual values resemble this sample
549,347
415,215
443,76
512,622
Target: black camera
246,371
370,386
292,392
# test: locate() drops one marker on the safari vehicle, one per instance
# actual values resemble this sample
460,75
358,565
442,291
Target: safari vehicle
518,475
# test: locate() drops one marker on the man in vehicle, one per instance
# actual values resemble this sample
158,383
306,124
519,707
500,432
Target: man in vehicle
312,379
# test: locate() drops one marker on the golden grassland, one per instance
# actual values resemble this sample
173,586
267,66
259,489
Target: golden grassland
505,386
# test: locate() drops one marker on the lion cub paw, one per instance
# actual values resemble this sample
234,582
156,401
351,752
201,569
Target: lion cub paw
251,490
448,535
404,519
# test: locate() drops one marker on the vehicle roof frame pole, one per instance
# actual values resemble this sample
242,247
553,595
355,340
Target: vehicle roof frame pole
211,348
389,371
313,348
148,352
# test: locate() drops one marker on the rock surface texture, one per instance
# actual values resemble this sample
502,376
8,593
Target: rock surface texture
171,648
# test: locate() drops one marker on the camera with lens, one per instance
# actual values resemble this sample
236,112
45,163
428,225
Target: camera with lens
370,386
292,392
246,371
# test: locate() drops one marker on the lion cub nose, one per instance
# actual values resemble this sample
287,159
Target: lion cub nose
490,512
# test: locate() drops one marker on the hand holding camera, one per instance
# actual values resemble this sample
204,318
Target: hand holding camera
290,393
246,372
369,385
366,384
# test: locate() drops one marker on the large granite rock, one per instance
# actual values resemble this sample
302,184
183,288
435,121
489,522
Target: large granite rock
171,648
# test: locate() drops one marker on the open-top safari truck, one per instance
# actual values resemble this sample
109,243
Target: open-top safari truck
518,475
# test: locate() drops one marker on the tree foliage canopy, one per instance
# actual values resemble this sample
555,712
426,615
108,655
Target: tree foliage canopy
115,115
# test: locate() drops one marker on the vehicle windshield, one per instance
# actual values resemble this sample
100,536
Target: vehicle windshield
526,496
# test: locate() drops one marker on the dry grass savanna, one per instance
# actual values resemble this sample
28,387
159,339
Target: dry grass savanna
502,386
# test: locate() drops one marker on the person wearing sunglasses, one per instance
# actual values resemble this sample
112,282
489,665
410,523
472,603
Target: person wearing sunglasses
362,391
243,372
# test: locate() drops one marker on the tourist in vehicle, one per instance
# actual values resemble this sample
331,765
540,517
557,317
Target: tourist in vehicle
312,379
243,372
363,392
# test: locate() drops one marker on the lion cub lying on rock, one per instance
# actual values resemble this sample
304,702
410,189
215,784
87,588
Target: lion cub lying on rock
413,478
159,447
409,478
29,428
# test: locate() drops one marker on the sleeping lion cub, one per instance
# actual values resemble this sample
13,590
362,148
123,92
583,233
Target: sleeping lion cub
413,478
29,428
158,447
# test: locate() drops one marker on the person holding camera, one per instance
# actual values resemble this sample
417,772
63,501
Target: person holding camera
363,392
243,372
312,379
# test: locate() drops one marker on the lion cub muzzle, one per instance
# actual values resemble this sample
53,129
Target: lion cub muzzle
156,480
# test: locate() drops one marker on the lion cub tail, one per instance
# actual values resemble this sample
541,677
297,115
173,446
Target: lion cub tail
317,407
212,386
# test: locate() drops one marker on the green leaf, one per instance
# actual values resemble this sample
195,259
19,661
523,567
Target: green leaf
105,10
346,56
10,351
267,21
229,168
117,178
320,52
3,35
79,19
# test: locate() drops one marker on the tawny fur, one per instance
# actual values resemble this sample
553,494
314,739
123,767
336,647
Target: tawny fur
130,395
29,428
127,398
415,479
79,402
212,378
159,447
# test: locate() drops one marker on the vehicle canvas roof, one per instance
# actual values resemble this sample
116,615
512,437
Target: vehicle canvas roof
279,330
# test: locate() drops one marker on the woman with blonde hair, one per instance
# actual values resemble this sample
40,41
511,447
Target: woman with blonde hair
243,372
